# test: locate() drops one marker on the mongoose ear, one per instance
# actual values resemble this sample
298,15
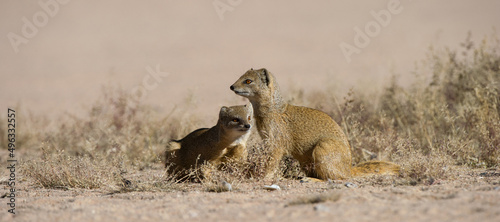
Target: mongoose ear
249,106
223,110
265,77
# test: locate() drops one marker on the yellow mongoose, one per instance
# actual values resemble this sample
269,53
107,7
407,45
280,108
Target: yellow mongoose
226,141
310,136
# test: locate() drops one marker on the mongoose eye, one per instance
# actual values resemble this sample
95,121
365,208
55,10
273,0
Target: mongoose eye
236,120
249,118
248,81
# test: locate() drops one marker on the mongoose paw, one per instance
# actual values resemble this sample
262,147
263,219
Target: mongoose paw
310,180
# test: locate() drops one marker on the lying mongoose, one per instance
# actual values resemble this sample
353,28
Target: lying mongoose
309,135
224,142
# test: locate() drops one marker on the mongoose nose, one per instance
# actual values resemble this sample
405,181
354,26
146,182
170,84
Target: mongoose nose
247,126
231,87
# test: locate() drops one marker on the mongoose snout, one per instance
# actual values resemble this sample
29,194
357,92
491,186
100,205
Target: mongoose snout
247,126
238,92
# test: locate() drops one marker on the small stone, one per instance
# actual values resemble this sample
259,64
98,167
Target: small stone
321,208
225,186
351,185
272,187
332,185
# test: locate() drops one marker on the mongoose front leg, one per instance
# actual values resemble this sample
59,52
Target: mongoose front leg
238,153
272,164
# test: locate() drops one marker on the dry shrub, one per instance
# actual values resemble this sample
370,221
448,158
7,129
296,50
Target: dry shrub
236,173
456,112
450,116
418,166
118,124
82,151
253,169
56,169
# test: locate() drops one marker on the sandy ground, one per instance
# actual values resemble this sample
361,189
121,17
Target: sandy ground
88,44
472,196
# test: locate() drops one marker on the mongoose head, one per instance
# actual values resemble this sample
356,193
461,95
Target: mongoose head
256,84
236,119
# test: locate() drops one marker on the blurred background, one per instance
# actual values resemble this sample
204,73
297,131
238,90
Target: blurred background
57,56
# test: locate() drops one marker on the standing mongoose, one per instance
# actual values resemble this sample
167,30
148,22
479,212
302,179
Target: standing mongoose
309,135
226,141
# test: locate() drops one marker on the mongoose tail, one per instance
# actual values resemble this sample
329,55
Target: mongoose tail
173,145
375,168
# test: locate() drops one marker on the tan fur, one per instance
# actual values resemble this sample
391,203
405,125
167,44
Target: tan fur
375,167
226,141
310,136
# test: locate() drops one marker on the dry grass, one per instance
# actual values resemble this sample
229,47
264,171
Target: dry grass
449,118
118,136
60,170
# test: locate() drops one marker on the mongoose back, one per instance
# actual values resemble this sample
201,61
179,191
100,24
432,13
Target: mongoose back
226,141
309,135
